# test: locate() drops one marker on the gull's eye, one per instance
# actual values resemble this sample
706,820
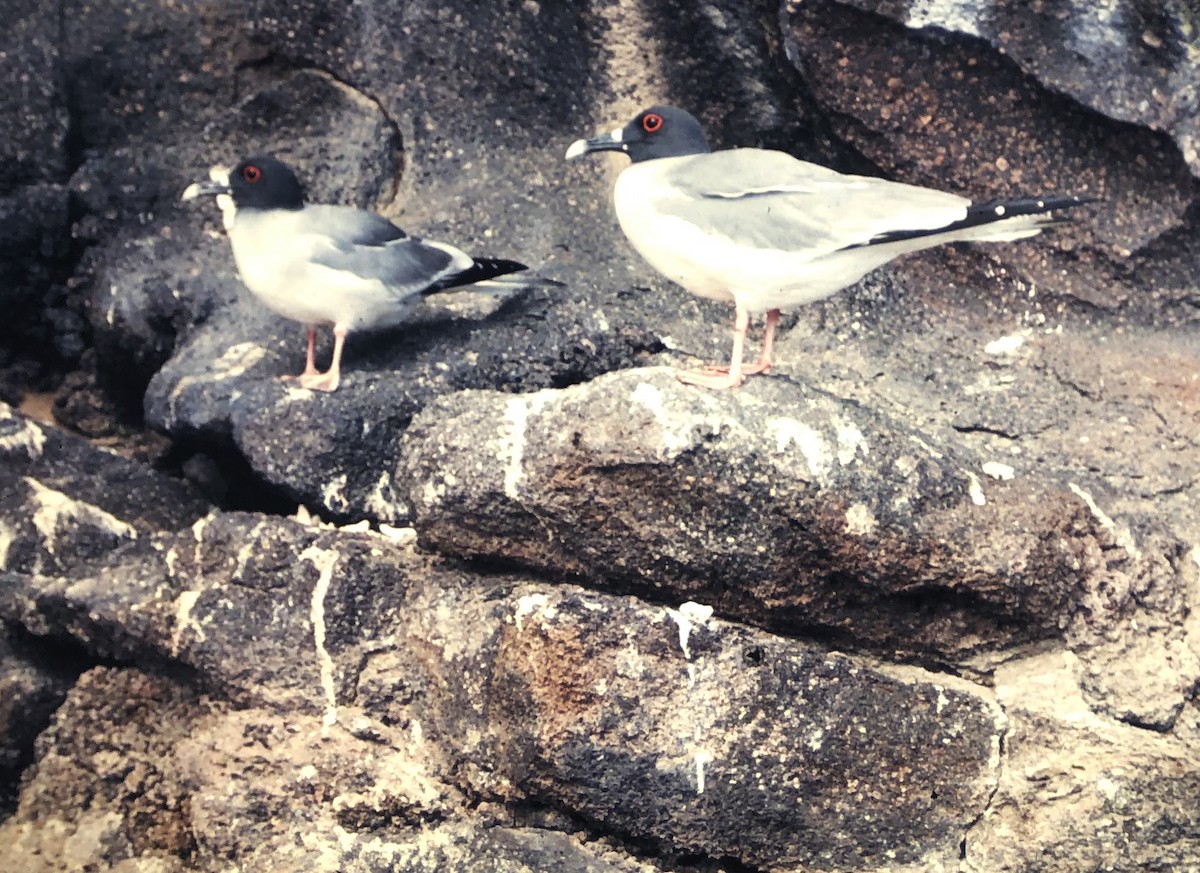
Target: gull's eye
652,122
251,173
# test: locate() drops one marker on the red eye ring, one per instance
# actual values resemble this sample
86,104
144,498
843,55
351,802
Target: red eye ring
652,122
251,173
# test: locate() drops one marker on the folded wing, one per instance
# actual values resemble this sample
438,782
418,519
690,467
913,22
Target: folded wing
770,200
373,248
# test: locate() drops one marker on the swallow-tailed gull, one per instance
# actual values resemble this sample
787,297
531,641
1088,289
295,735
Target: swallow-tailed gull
769,232
334,265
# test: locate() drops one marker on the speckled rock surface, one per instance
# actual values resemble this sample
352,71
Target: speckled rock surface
67,504
35,148
778,504
1129,61
660,731
32,686
35,248
186,784
707,737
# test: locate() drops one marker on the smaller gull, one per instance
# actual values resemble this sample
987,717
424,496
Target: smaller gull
770,232
334,265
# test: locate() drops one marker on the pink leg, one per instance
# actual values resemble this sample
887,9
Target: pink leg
310,367
764,362
328,381
734,376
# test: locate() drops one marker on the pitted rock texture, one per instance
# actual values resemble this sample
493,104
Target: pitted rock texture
711,738
66,504
778,504
33,684
1126,60
671,727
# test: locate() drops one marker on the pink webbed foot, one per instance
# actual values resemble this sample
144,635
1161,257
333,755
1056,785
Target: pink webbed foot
717,378
721,377
318,381
331,378
757,368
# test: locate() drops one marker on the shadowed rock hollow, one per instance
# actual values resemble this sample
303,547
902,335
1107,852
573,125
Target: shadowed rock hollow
924,598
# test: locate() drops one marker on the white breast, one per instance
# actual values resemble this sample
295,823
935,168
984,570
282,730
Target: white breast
674,247
273,257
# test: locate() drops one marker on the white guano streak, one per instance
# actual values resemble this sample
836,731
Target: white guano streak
324,560
1120,534
962,16
24,435
52,505
516,418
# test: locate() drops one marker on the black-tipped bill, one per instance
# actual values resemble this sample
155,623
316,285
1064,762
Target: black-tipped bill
217,183
604,142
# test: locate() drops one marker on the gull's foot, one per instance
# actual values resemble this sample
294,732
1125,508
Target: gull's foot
710,377
317,381
755,369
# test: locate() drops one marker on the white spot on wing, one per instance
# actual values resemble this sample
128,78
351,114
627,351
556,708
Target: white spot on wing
576,149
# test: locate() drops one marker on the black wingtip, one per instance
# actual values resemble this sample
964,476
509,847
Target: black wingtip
991,212
480,271
1001,208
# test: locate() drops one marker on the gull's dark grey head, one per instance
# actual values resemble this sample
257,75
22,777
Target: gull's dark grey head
261,182
658,132
264,182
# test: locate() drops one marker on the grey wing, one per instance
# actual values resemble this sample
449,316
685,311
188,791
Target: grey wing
768,199
373,248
